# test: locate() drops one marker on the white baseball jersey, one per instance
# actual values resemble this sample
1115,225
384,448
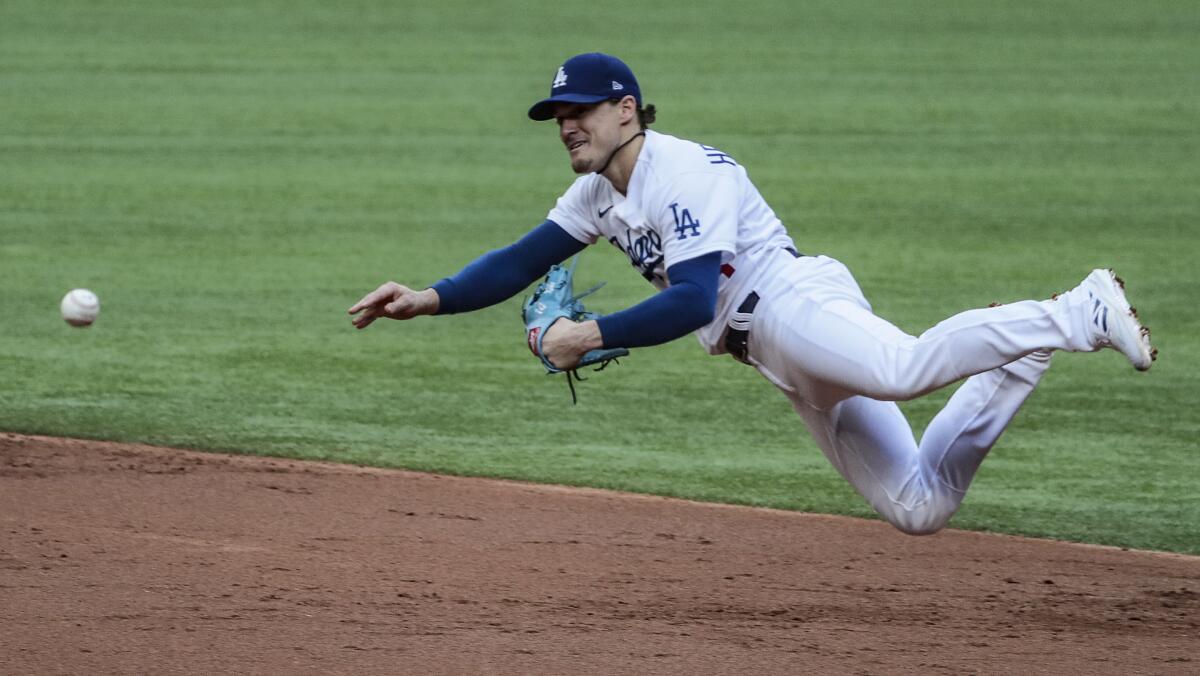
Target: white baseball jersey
813,335
684,200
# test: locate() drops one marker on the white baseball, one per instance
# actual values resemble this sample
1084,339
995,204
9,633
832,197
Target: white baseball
80,307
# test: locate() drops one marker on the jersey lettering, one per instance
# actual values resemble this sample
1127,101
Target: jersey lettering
716,156
684,222
645,252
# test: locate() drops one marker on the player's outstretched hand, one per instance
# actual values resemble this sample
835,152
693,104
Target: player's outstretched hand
394,301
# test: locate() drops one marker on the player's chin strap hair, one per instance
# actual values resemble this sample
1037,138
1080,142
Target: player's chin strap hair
617,150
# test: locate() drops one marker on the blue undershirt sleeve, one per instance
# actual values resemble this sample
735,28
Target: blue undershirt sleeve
501,274
688,304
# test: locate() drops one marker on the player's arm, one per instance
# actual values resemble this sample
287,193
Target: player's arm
698,223
688,304
493,277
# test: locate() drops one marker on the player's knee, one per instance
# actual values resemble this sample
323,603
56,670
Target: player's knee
919,521
919,529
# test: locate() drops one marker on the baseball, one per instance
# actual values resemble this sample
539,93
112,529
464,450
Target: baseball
80,307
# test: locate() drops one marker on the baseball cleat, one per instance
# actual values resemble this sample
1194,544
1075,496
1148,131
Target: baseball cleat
1114,322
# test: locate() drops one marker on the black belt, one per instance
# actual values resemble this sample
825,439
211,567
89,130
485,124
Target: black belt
737,338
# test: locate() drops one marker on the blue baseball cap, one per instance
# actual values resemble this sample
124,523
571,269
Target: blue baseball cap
588,78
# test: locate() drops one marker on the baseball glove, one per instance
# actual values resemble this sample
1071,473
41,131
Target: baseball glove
554,299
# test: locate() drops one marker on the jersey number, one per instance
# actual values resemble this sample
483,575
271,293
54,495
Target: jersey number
684,222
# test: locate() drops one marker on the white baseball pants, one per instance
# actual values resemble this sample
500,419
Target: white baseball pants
814,336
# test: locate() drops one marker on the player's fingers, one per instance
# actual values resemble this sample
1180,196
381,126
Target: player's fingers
364,320
363,303
377,296
366,302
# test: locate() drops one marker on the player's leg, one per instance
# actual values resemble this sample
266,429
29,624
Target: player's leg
871,445
971,342
821,329
961,434
917,488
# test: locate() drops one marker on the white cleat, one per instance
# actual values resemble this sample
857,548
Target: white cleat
1114,322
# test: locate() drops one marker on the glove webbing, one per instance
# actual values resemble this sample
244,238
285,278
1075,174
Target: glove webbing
573,375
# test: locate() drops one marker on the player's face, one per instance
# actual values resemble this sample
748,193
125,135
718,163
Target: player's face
591,132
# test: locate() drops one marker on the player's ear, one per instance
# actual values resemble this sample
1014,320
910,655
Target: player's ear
628,106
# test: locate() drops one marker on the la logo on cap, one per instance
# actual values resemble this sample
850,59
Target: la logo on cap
560,79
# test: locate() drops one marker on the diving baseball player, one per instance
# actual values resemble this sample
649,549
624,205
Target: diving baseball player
692,223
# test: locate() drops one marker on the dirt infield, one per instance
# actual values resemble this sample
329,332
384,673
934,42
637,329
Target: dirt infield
131,559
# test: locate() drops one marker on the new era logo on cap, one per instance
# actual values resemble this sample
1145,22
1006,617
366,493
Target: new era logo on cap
617,85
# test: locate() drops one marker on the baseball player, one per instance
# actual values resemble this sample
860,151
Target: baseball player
691,222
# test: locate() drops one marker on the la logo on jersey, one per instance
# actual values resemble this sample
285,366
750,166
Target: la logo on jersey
684,222
560,80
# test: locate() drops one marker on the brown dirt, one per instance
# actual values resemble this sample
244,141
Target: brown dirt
131,559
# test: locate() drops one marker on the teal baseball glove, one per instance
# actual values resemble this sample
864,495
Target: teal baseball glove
554,299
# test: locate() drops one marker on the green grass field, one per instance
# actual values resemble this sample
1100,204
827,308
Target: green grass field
229,177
